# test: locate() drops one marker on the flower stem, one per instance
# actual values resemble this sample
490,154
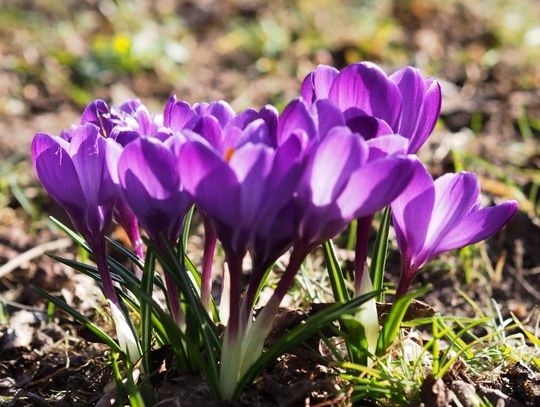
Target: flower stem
174,300
101,261
408,272
257,274
361,251
298,255
210,239
235,274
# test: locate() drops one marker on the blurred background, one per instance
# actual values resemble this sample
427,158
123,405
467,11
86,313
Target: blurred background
57,56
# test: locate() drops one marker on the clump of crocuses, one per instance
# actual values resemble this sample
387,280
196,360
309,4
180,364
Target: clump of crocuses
265,183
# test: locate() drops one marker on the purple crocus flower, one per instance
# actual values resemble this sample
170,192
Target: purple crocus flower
432,217
81,176
237,189
128,122
152,187
404,103
226,132
340,184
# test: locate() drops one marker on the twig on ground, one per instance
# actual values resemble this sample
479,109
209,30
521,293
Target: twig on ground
32,254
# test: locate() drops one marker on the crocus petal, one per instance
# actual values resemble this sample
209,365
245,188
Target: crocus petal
393,144
130,106
317,84
57,174
365,86
375,185
270,116
98,113
177,114
412,210
251,164
295,117
330,166
209,128
476,226
328,116
367,126
421,105
431,110
455,196
220,110
287,169
151,187
211,182
87,151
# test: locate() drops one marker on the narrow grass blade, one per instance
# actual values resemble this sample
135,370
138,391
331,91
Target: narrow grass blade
378,256
395,317
146,311
299,334
187,224
337,280
71,234
82,319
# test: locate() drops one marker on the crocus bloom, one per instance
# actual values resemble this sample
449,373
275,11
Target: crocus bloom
432,217
81,176
151,186
239,189
129,121
404,103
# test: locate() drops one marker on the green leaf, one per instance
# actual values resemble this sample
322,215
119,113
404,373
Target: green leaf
187,224
337,280
146,311
379,254
395,317
299,334
102,335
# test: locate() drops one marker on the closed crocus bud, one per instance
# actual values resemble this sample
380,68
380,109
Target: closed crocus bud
151,186
433,217
81,176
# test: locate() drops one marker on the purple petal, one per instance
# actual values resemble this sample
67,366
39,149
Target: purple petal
316,84
220,110
130,107
383,146
365,86
244,118
151,187
455,196
375,185
252,165
57,173
287,169
208,127
331,163
210,181
178,114
295,117
270,116
328,116
476,226
87,151
367,126
412,211
421,105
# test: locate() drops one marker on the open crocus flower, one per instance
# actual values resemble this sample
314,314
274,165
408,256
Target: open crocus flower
81,176
404,103
432,217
